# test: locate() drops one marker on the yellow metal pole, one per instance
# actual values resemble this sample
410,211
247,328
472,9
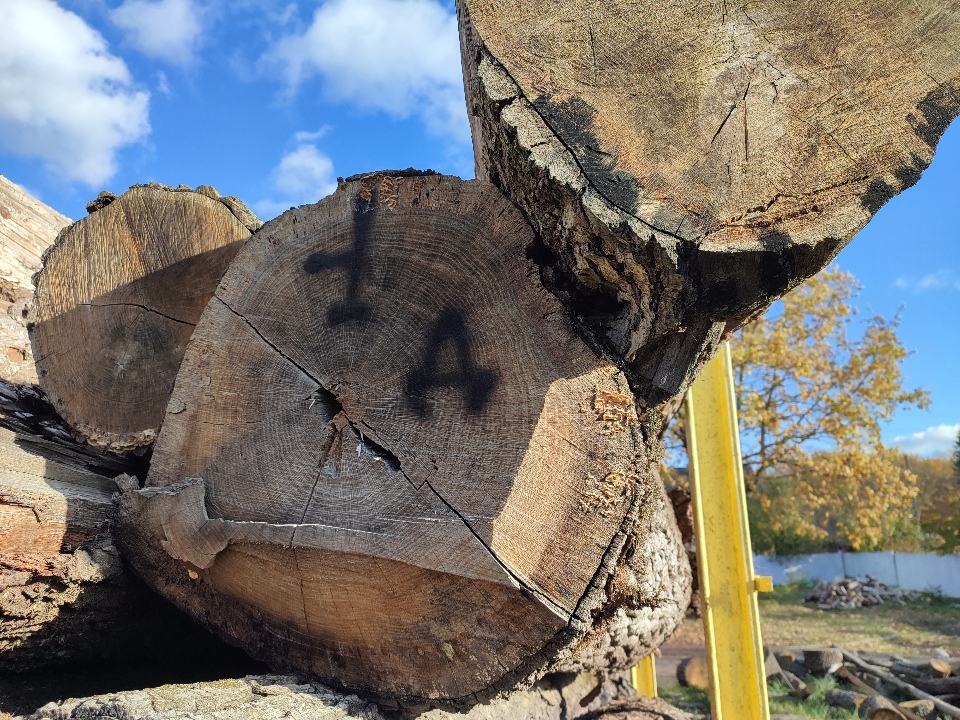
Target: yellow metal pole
644,676
731,620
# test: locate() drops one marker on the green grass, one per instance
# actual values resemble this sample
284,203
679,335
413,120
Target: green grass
697,702
915,629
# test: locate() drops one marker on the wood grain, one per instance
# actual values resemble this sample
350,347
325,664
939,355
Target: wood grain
685,164
117,301
386,443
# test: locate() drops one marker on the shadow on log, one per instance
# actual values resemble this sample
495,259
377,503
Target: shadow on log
117,300
388,461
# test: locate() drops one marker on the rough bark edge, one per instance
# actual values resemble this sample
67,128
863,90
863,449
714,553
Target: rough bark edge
234,204
596,254
26,410
258,697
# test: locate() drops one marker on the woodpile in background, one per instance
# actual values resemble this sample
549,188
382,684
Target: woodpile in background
875,685
850,593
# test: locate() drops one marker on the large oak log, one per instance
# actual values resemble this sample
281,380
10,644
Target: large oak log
389,461
27,228
117,299
685,164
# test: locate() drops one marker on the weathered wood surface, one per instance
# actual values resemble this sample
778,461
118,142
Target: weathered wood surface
685,165
264,697
388,460
67,600
27,228
640,708
117,300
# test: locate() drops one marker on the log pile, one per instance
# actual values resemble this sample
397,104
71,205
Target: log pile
406,440
849,593
878,686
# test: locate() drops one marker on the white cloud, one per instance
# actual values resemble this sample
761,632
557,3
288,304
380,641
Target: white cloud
935,440
398,56
168,30
308,137
304,175
63,96
940,280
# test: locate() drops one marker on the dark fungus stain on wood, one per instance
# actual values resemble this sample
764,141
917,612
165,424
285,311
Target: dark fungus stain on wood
909,175
879,191
759,276
572,121
940,106
477,384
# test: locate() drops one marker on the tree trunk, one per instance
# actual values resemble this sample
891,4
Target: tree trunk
27,228
686,165
385,419
117,300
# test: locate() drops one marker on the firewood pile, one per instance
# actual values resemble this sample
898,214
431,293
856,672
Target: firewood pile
850,593
873,685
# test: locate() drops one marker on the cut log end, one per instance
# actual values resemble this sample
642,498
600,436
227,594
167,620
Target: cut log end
386,420
686,167
117,300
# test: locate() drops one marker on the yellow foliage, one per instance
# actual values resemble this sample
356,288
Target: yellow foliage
811,397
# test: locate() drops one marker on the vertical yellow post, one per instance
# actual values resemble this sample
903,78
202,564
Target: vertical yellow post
731,621
644,676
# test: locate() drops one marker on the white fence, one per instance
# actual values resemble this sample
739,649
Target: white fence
909,571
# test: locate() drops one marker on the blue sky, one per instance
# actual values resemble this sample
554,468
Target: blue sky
271,101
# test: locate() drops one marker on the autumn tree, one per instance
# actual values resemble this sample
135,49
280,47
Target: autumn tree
812,396
938,499
956,457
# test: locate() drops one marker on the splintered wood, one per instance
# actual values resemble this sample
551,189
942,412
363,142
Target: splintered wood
375,448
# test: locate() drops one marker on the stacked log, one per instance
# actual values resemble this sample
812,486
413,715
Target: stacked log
117,300
27,229
407,440
850,593
263,697
421,428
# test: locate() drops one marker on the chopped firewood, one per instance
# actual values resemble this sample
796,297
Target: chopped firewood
693,672
850,593
845,699
877,707
939,686
845,674
924,709
945,708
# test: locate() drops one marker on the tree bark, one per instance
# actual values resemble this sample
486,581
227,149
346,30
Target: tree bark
262,697
685,166
385,419
27,228
117,299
